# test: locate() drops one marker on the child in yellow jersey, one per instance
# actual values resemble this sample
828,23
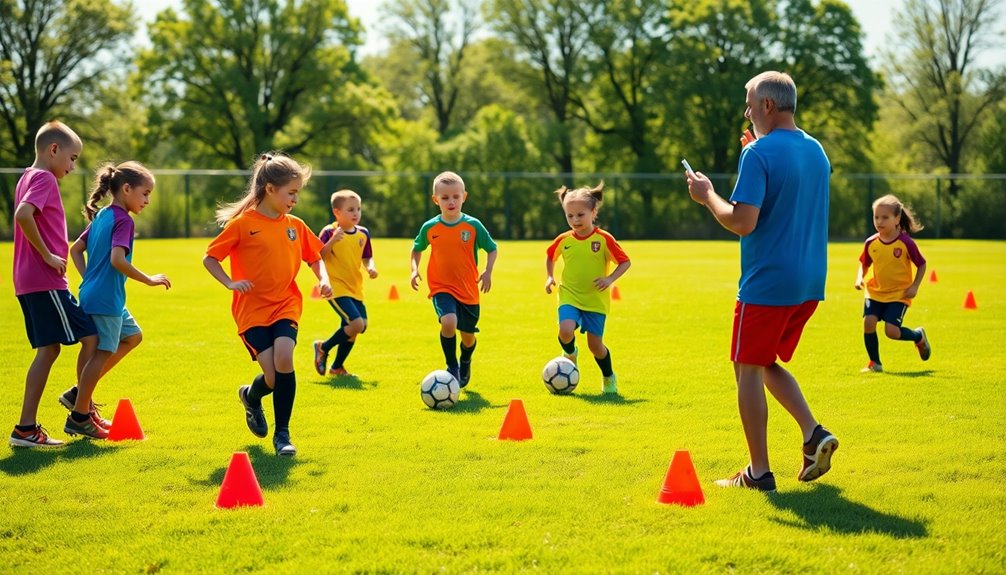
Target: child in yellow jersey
584,300
891,253
266,246
454,239
346,250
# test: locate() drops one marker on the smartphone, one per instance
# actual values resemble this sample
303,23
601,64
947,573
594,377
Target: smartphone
687,167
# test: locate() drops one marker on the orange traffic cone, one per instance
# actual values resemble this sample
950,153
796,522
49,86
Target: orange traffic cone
932,277
124,423
615,294
240,486
681,486
515,424
316,292
393,293
969,301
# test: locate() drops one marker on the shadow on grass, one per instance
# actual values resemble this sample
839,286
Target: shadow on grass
824,507
920,373
23,461
270,469
606,399
470,402
347,382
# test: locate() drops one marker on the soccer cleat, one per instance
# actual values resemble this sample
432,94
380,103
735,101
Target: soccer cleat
320,357
608,384
37,437
743,479
87,428
464,373
872,366
340,372
254,416
69,398
923,346
455,371
571,356
817,454
281,441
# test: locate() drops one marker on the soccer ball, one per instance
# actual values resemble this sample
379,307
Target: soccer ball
440,389
560,376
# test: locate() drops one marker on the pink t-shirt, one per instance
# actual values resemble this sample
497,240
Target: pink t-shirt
31,274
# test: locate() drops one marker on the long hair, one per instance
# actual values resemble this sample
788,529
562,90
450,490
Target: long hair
907,221
109,179
273,168
593,196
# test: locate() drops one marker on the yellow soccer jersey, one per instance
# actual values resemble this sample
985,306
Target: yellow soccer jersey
891,265
345,262
584,260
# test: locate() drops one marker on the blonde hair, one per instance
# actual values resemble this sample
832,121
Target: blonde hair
907,221
339,198
592,196
448,178
55,132
273,168
109,178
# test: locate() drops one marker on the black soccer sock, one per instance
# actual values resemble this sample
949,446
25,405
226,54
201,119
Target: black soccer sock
466,352
26,427
568,347
872,346
605,363
338,338
258,390
450,347
910,335
80,417
341,355
282,403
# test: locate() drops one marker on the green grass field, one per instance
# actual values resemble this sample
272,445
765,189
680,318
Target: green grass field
382,484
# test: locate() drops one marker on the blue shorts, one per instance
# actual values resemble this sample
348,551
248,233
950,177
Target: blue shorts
468,315
892,312
349,309
587,321
261,337
52,317
112,329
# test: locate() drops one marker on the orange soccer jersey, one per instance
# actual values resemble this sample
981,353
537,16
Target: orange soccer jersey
453,266
268,253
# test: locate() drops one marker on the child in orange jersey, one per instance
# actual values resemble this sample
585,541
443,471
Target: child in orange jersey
266,246
891,253
454,239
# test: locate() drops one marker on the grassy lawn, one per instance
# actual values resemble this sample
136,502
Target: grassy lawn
383,484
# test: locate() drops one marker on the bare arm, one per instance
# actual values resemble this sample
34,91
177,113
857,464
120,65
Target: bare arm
549,274
217,271
371,267
913,289
326,249
740,219
603,283
860,275
486,279
120,263
24,217
416,278
77,255
324,283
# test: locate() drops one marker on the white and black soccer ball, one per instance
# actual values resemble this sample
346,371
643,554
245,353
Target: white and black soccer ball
440,389
560,375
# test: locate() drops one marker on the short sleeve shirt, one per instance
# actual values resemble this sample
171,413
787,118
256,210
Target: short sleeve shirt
31,274
267,252
584,260
453,265
345,261
890,266
103,289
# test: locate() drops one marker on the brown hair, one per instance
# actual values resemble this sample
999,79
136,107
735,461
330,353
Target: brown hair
109,178
273,168
593,196
907,221
339,198
55,132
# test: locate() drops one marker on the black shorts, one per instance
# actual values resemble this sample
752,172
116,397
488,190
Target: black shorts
54,316
468,315
261,337
349,309
892,312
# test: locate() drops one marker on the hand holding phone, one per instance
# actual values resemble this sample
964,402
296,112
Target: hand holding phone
688,168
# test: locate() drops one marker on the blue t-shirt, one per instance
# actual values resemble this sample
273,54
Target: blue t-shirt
784,260
103,291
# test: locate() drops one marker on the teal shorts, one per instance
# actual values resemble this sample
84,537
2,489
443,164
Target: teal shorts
112,329
587,321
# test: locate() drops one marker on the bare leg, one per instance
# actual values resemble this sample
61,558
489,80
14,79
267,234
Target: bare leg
786,391
35,380
754,414
89,378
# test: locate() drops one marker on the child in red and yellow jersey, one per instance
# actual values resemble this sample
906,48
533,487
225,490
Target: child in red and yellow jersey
891,253
584,300
454,239
266,246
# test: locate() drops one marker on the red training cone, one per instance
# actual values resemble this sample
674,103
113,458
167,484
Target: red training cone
515,424
124,423
969,301
240,486
393,293
681,486
932,277
615,294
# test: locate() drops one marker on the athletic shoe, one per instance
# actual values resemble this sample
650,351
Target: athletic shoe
87,428
69,398
320,357
571,356
817,454
455,371
608,384
254,416
281,441
923,346
872,366
464,372
37,437
340,372
743,479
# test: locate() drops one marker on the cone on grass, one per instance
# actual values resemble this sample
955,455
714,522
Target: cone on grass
932,277
124,423
393,293
969,301
515,424
681,485
615,294
240,486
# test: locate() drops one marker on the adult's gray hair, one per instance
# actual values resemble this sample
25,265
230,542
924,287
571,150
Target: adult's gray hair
776,86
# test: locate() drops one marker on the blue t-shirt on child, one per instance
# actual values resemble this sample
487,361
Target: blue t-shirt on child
103,291
784,260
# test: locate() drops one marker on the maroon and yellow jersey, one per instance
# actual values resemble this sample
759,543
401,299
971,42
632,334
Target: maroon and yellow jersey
268,253
889,267
454,261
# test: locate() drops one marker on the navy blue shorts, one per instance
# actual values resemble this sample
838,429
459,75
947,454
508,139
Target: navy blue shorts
892,312
468,315
261,337
349,309
54,316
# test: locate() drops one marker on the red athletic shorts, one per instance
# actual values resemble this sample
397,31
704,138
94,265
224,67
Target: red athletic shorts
764,332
